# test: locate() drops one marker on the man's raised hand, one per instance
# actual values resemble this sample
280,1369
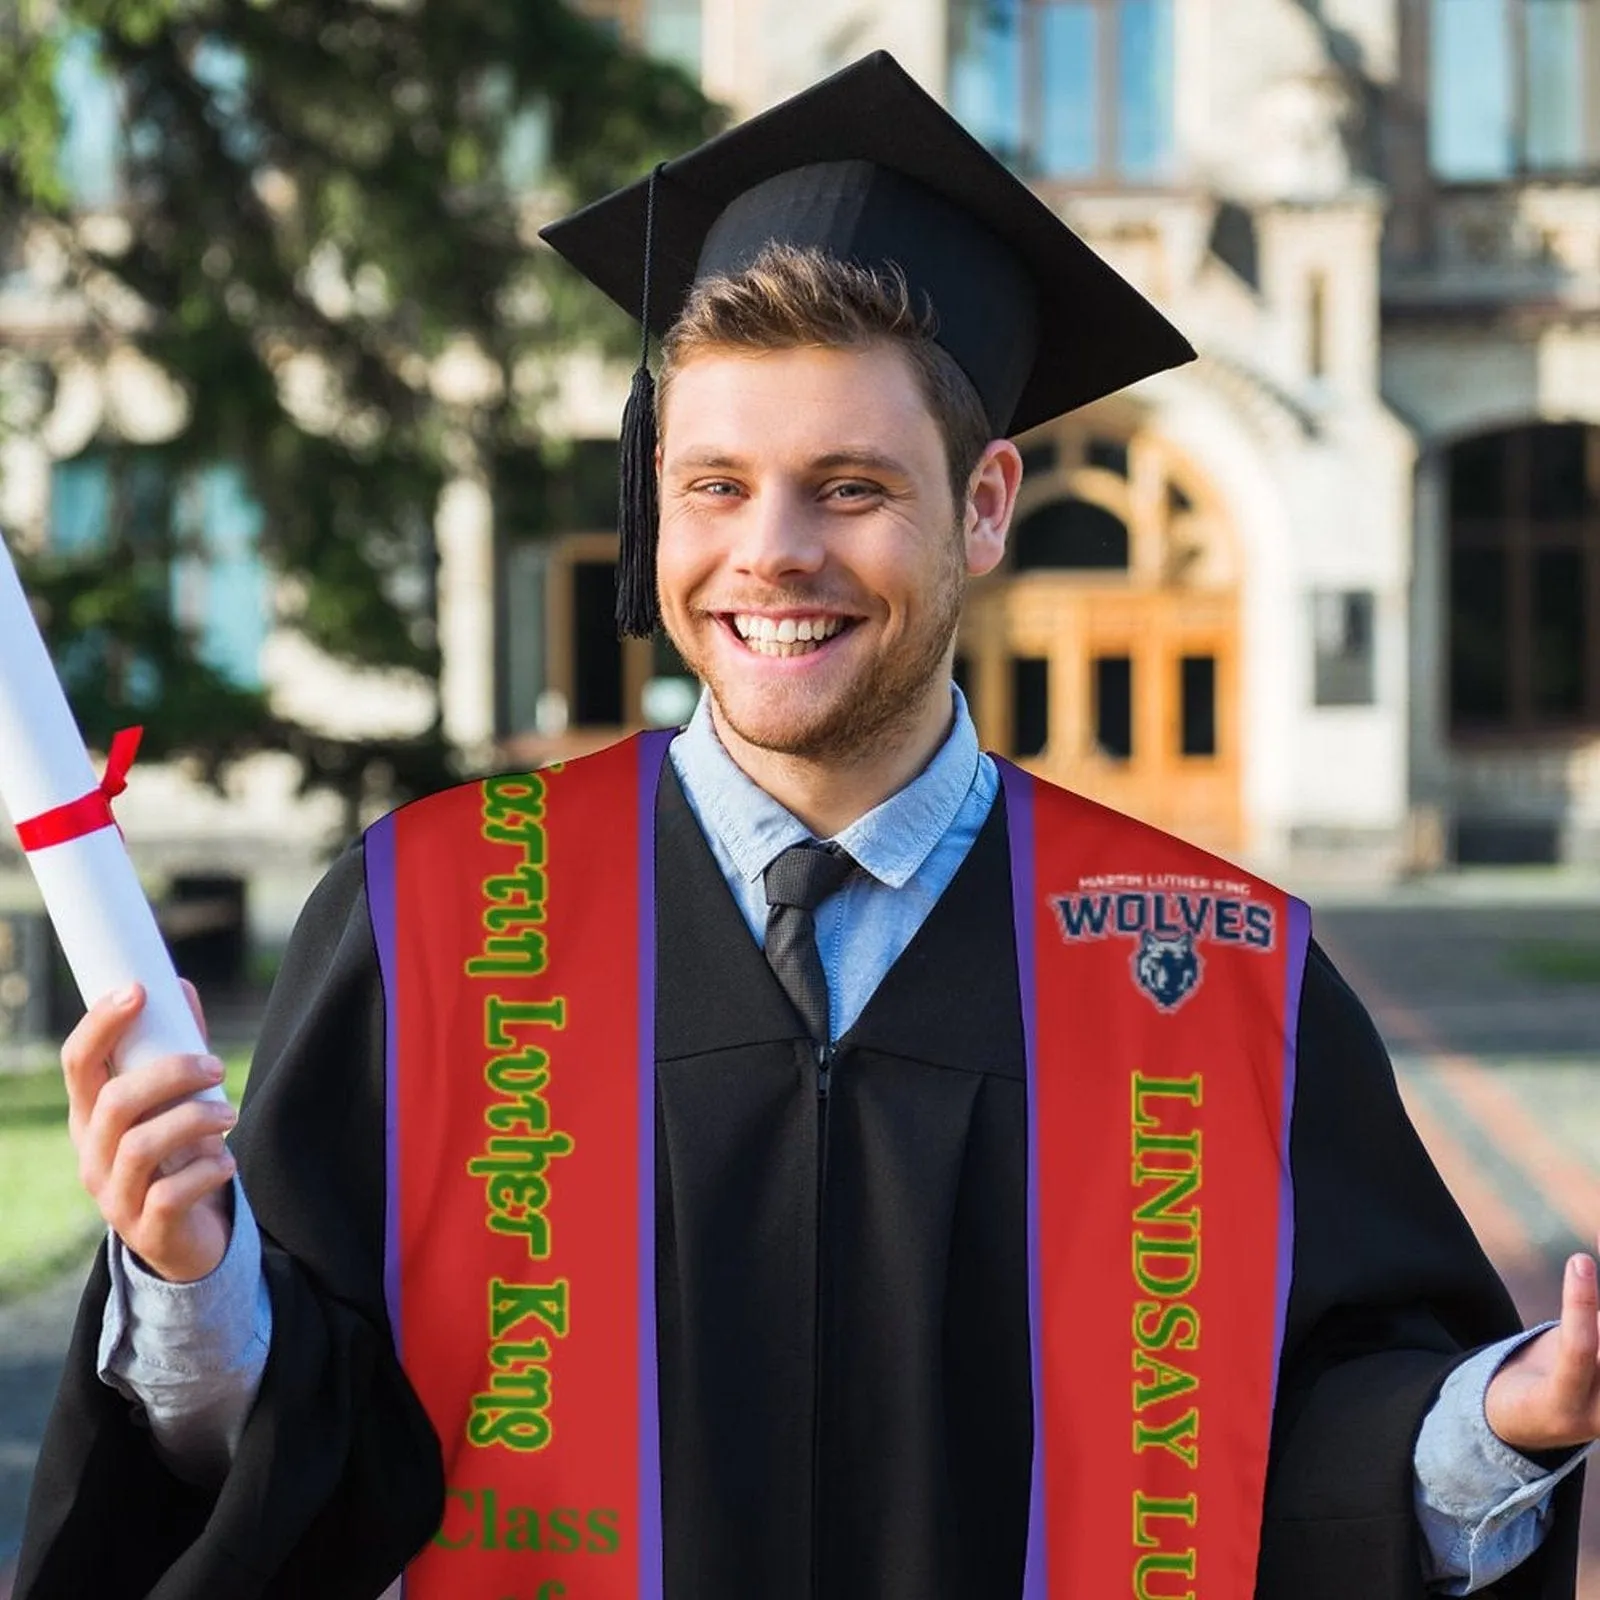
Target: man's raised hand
153,1158
1547,1395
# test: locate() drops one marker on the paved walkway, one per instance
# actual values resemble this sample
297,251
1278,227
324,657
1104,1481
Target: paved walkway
33,1337
1499,1073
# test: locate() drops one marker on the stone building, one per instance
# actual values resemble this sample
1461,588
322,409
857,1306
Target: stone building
1328,598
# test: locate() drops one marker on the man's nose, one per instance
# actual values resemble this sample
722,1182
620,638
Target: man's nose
777,538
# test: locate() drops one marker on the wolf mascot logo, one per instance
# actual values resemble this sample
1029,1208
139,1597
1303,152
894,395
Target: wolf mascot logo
1168,970
1167,926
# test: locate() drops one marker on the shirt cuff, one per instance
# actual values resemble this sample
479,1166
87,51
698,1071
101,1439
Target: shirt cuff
1482,1506
190,1355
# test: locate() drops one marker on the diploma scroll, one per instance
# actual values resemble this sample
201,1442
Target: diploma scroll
91,892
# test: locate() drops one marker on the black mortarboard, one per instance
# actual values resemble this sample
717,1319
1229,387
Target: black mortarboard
869,168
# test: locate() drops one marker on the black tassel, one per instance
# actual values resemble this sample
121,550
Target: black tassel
637,608
638,611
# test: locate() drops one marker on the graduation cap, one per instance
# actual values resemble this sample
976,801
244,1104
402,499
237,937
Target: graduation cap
867,167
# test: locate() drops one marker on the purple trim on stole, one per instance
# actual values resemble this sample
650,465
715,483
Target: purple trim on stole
378,853
1294,980
652,752
1018,787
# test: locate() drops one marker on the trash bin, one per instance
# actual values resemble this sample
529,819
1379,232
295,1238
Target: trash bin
26,1009
203,921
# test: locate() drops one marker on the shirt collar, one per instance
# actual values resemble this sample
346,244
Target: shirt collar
890,842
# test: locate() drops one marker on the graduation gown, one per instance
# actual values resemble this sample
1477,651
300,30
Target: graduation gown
841,1295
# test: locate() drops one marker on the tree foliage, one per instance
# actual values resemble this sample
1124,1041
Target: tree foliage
329,209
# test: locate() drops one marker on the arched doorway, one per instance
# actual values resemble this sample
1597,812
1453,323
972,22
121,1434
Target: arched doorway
1104,654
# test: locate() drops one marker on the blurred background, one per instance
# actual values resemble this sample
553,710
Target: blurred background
307,453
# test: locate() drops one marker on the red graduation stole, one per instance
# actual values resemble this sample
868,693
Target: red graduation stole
1160,992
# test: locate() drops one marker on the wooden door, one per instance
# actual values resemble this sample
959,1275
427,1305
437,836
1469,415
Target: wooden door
1117,676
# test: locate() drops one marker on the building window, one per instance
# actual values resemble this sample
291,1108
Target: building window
1074,89
97,134
597,691
1030,698
1107,503
619,18
1317,325
1515,88
1078,532
221,589
672,31
1197,698
1113,707
961,672
205,526
525,153
1525,580
521,617
1070,535
109,497
1344,671
92,142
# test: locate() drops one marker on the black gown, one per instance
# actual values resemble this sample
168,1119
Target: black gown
841,1295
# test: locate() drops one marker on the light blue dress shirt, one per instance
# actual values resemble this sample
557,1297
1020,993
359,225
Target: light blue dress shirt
909,848
191,1355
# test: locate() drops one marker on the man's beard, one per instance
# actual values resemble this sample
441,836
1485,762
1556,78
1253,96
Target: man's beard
885,698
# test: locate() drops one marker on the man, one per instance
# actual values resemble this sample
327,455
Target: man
991,1235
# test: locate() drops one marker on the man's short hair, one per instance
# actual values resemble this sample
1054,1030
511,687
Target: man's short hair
790,298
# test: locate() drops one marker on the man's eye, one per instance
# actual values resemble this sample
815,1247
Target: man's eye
854,489
718,488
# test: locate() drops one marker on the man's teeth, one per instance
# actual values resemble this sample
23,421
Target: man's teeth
792,636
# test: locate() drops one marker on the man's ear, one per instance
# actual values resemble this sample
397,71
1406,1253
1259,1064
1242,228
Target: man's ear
991,502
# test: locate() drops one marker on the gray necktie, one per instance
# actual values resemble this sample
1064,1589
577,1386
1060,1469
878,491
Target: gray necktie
797,883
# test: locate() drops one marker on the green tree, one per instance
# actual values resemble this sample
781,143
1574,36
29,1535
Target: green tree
320,200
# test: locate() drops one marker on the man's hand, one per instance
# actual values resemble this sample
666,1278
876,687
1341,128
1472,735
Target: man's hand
1547,1396
152,1158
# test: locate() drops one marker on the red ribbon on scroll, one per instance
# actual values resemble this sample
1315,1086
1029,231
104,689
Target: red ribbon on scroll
90,812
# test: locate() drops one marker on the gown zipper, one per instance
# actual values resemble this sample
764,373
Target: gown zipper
824,1070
